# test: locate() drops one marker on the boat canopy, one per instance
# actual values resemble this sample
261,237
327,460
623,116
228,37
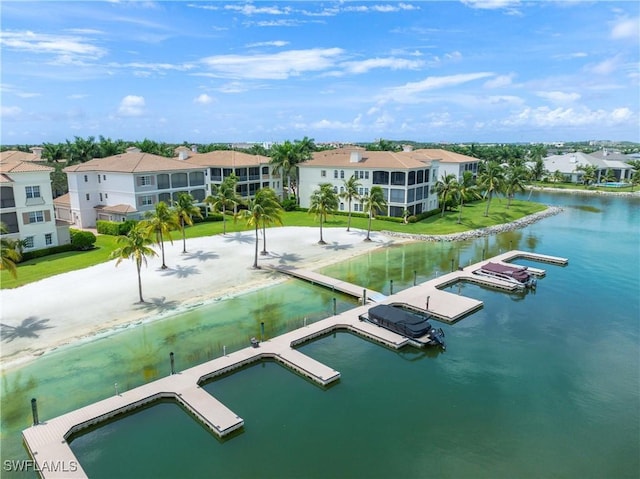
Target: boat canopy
516,272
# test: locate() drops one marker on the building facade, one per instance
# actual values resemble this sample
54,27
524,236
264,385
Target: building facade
452,163
26,202
406,178
125,186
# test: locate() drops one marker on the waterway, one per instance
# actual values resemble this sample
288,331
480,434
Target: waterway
538,385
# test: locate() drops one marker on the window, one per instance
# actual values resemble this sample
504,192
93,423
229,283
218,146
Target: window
146,200
412,178
100,197
36,217
341,206
87,196
411,195
106,195
335,189
145,180
335,173
86,178
397,178
48,239
420,177
397,195
342,174
380,177
366,175
28,242
99,179
323,173
32,191
104,177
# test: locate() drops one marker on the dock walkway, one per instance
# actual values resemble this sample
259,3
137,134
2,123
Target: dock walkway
47,442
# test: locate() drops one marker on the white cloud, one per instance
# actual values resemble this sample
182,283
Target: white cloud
491,4
10,111
276,66
499,81
249,9
626,28
558,96
203,99
605,67
391,63
274,43
569,117
62,45
131,105
408,91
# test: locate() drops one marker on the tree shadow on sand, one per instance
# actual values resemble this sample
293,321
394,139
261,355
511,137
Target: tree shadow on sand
28,328
285,258
158,304
240,238
181,271
337,246
201,256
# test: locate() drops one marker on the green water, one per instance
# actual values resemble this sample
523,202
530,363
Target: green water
538,385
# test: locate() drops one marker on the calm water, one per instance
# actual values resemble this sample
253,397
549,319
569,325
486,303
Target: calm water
538,385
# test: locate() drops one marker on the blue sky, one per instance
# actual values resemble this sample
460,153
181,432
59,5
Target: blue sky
208,72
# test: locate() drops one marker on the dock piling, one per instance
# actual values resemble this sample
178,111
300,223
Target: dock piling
261,331
173,367
391,287
115,386
452,265
334,306
364,297
415,277
34,411
224,350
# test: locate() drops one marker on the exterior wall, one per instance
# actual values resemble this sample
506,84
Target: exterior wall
458,169
247,183
34,216
397,195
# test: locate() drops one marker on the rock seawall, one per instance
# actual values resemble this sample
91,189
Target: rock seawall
472,234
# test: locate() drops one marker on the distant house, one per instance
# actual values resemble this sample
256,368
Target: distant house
27,207
568,165
406,177
121,187
251,171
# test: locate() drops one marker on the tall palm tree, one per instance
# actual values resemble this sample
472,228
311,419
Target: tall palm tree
514,181
465,189
285,158
589,173
373,203
259,209
186,210
445,188
160,222
272,212
10,252
350,194
323,201
224,196
135,246
490,180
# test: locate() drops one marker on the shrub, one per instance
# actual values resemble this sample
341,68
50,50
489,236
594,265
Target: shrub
111,228
289,204
39,253
412,219
82,240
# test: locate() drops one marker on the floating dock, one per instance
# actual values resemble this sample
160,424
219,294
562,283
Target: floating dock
47,441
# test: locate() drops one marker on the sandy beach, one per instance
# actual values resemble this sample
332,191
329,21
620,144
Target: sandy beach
79,305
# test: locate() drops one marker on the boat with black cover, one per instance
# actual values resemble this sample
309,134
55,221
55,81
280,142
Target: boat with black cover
407,322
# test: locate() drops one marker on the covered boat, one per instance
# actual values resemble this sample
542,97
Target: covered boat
409,323
508,272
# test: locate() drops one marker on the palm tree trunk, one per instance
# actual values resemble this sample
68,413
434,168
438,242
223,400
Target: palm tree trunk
138,265
486,211
460,212
164,266
368,238
321,240
264,240
349,220
255,261
224,223
184,238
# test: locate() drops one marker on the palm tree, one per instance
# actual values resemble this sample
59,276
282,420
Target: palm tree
186,210
135,246
272,212
350,194
224,196
259,209
589,173
160,222
465,189
490,180
514,181
445,188
323,201
609,176
285,158
373,203
537,169
10,252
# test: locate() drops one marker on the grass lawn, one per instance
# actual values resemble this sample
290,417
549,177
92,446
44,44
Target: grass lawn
472,218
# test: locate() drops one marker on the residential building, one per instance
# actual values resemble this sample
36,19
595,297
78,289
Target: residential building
27,208
568,165
406,177
251,171
452,163
122,187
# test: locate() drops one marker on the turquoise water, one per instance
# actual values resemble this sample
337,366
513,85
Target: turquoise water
537,385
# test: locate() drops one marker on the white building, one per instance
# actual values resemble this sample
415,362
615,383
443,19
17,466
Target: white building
252,172
406,177
121,187
27,202
568,165
452,163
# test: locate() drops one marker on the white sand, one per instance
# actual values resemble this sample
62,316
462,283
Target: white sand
82,304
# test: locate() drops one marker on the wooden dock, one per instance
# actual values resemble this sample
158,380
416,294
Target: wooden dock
47,442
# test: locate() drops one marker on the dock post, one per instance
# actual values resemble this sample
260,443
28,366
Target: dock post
115,386
482,254
391,288
452,265
364,297
415,277
224,350
173,367
428,302
261,331
34,411
334,306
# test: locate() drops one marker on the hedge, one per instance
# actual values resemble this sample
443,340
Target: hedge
114,228
82,240
39,253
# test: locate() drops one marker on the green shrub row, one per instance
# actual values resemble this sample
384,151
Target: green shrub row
114,228
39,253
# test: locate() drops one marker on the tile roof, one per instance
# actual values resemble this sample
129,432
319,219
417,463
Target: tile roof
446,156
63,200
132,162
118,209
341,157
227,158
17,162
